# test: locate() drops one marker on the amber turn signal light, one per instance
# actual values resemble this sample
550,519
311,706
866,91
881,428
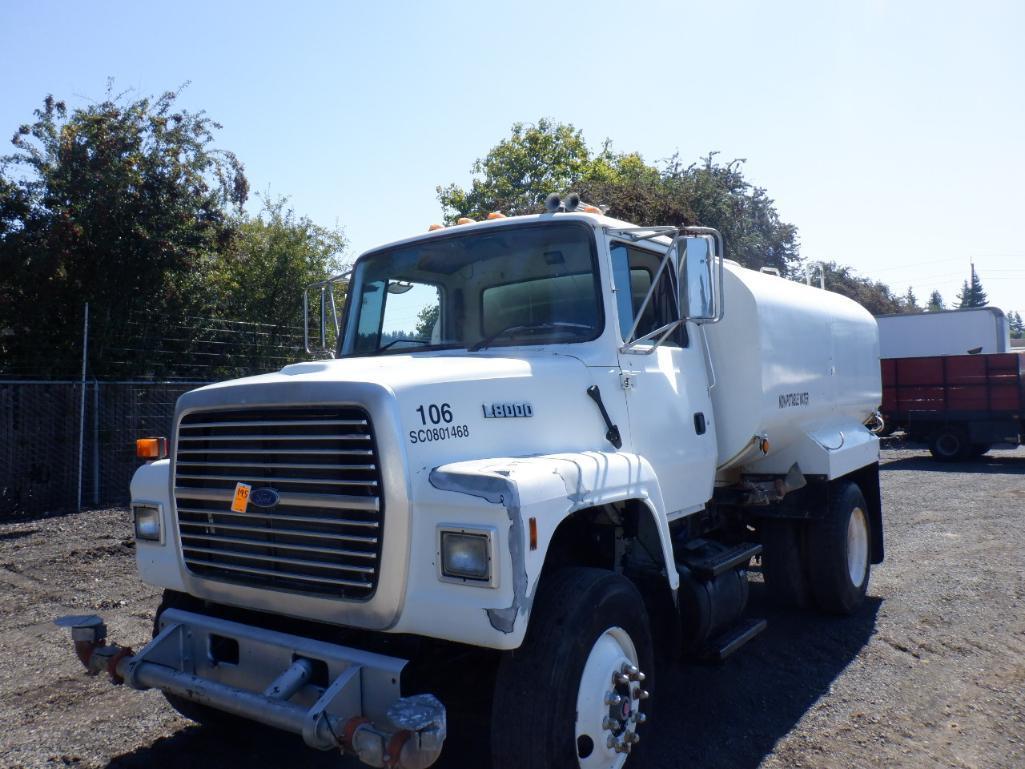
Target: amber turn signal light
151,448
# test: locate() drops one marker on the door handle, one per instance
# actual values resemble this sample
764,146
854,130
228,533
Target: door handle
699,423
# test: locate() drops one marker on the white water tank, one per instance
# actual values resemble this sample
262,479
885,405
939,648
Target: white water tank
789,361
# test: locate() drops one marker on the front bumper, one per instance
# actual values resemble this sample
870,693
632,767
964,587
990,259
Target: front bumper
334,696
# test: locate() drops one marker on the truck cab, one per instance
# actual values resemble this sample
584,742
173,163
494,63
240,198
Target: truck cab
559,441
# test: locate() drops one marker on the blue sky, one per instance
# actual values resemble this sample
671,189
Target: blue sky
891,133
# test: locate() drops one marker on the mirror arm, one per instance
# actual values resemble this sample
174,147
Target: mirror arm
306,320
634,233
651,293
665,331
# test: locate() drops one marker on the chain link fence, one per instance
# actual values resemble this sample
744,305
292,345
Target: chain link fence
55,457
66,444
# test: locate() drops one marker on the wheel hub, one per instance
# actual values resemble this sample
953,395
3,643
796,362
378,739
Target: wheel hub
857,546
609,702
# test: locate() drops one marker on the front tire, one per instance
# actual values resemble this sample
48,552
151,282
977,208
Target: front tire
839,551
572,694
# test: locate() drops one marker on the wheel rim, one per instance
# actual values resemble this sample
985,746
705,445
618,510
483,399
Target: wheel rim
608,702
857,546
948,444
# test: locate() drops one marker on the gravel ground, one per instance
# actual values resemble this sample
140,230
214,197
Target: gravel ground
930,674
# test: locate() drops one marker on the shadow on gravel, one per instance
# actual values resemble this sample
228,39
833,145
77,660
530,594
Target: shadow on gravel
724,717
731,716
991,464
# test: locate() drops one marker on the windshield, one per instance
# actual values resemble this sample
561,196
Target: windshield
527,284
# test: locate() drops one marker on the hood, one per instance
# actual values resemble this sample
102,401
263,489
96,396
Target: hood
399,372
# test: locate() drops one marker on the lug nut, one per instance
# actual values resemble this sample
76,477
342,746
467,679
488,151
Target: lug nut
641,694
639,717
612,724
623,747
632,738
611,698
639,678
612,742
629,670
620,678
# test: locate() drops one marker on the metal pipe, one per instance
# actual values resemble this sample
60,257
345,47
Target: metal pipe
96,443
81,410
239,702
295,677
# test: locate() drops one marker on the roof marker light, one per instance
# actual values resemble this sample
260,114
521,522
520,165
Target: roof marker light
496,215
434,227
465,220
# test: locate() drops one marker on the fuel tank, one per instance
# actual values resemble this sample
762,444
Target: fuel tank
789,361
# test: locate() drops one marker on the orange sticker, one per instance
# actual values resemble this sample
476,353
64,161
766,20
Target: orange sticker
241,500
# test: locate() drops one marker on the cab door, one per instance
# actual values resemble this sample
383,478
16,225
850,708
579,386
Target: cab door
670,411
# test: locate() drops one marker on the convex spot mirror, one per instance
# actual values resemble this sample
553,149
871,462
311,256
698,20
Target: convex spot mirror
697,278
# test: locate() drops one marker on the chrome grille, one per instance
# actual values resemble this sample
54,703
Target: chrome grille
324,534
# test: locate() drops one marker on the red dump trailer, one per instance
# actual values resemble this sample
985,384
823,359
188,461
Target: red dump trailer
961,405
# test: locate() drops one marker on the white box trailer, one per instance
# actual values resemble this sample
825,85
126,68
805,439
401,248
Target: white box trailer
557,442
946,332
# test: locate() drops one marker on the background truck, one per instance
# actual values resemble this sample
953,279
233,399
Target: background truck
538,468
961,405
945,332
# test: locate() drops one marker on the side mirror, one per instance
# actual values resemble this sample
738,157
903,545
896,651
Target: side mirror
699,297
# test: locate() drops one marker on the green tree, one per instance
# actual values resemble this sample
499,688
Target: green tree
426,319
121,203
520,171
260,276
874,296
1016,324
909,302
935,302
971,293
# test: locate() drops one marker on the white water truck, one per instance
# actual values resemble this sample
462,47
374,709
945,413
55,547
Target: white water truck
533,472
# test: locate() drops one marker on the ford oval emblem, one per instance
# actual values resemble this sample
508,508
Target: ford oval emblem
264,497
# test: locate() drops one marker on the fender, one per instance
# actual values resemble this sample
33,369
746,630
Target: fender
832,452
157,563
549,488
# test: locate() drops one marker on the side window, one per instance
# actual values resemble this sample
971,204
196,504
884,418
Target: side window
398,315
633,270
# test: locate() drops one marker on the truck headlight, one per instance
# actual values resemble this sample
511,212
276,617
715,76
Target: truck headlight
466,555
148,523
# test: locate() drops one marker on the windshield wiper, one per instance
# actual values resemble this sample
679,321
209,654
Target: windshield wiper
529,328
400,339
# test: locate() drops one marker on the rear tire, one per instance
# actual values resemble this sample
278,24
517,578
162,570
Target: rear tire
202,714
550,708
950,444
839,551
783,563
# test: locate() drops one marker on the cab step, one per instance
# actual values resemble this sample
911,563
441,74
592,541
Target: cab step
707,566
732,639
